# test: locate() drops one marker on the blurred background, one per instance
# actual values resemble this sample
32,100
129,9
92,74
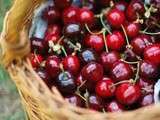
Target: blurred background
10,106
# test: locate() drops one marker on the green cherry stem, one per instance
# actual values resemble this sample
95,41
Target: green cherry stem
105,42
149,33
93,33
130,62
64,51
137,73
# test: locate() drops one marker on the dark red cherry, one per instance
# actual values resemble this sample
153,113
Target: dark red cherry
95,42
36,60
135,8
148,70
144,83
65,82
74,100
70,15
121,71
129,55
88,55
71,63
85,16
108,59
128,93
105,88
140,42
95,103
146,100
115,17
152,53
114,106
80,82
132,29
52,66
92,72
51,14
121,5
115,41
104,2
62,4
72,30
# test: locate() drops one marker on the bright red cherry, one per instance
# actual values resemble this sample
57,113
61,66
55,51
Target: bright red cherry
92,72
146,100
36,60
128,93
74,100
121,71
51,14
108,59
85,16
114,106
115,17
115,41
62,4
53,66
135,8
121,5
152,53
132,29
105,88
72,64
94,41
140,42
70,15
148,70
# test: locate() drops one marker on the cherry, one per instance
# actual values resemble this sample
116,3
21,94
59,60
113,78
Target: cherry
72,30
94,41
148,70
104,2
51,14
105,88
74,100
144,83
36,60
72,64
80,82
140,42
121,71
53,66
70,15
62,4
88,55
95,103
115,41
121,5
65,82
43,74
152,53
115,17
114,106
134,9
128,93
77,3
85,16
146,100
108,59
132,29
92,72
130,56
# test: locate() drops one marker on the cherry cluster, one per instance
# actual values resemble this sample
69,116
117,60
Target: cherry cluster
100,54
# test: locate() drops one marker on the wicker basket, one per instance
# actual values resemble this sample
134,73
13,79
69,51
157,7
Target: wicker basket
39,102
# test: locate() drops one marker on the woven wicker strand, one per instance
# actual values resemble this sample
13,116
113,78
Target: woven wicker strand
39,102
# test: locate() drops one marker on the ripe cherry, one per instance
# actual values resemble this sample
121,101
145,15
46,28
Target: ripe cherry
108,59
43,74
115,17
121,5
71,63
152,53
81,83
53,66
121,71
92,72
144,83
114,106
128,93
129,55
115,41
36,60
105,88
146,100
74,100
148,70
94,41
62,4
104,2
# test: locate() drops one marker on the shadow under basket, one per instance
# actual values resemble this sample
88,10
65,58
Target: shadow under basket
41,103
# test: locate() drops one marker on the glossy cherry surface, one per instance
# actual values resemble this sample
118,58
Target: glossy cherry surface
62,4
74,100
36,60
146,100
114,106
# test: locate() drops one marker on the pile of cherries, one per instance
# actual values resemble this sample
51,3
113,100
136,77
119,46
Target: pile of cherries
100,54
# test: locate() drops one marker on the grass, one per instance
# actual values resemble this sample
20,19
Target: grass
10,106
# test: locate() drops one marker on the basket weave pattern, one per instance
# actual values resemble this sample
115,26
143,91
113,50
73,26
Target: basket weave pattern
39,102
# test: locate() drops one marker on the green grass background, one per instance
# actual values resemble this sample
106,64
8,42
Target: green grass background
10,106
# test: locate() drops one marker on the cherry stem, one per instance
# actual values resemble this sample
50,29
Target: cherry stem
81,84
64,51
93,33
149,33
86,95
137,73
77,93
36,56
105,42
127,40
130,62
118,83
60,40
74,46
104,25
